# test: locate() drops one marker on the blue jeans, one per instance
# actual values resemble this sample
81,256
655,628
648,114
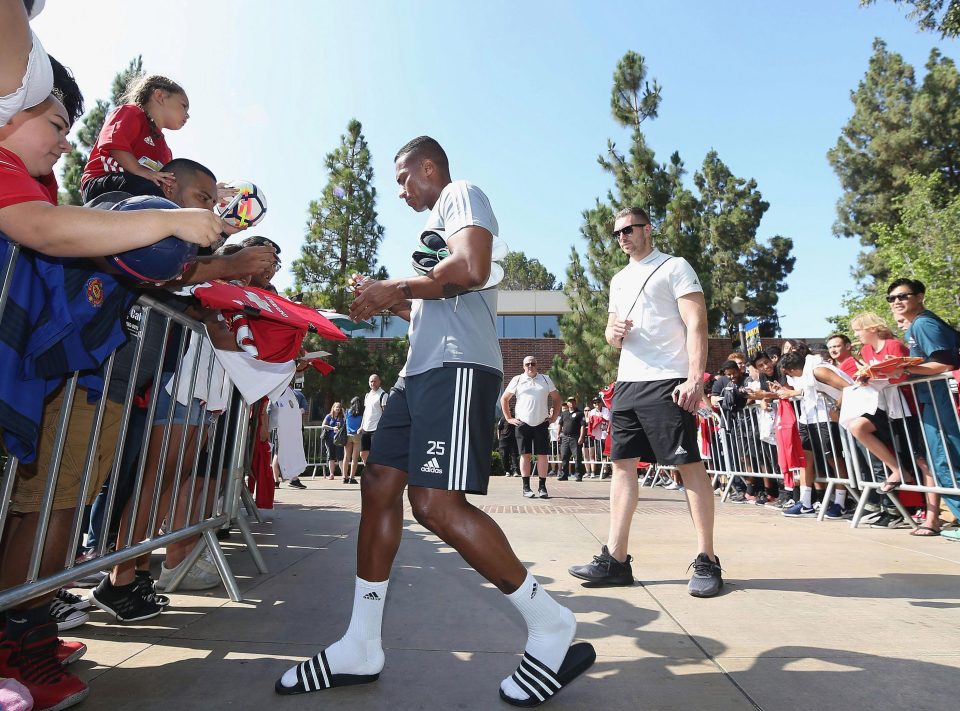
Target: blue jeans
943,439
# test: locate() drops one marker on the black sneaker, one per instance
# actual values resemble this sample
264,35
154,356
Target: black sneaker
148,588
542,493
605,570
562,477
737,497
297,484
127,603
888,520
528,492
706,580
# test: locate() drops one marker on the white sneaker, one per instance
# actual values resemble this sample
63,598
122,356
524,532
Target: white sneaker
196,579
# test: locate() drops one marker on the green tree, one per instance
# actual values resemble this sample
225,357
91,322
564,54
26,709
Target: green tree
716,232
923,245
897,129
89,130
941,16
521,273
343,234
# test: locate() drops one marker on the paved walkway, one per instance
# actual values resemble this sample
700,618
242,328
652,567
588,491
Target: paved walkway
814,615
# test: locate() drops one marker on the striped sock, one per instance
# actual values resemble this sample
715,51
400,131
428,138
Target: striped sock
550,630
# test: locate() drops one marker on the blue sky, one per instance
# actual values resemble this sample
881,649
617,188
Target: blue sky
518,94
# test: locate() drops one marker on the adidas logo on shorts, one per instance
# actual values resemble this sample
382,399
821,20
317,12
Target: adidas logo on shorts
680,450
432,467
371,596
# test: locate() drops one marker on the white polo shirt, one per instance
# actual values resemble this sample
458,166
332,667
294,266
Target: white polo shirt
373,403
656,347
533,403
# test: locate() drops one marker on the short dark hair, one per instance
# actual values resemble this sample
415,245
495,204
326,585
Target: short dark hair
730,365
228,249
842,336
915,285
65,88
635,211
773,352
793,360
258,241
760,355
424,147
185,167
820,349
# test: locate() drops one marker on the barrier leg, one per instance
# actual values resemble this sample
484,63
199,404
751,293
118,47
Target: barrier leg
226,575
827,498
247,535
249,504
861,505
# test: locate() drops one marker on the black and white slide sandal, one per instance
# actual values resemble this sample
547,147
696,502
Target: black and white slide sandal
541,684
314,675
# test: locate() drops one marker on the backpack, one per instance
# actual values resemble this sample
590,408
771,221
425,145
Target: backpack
340,434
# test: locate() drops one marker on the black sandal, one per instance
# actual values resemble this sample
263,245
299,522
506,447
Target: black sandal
314,675
535,677
888,487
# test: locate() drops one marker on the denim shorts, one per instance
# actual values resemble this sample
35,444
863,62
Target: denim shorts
180,411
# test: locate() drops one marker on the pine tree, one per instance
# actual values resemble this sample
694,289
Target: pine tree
89,130
343,234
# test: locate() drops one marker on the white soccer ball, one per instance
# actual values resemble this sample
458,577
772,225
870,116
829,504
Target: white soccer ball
247,208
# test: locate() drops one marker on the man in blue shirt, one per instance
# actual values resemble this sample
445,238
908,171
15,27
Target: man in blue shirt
929,337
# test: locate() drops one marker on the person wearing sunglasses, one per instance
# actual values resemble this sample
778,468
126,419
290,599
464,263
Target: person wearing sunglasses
537,407
658,320
931,338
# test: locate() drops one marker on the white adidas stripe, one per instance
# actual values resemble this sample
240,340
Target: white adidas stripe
454,450
313,673
465,456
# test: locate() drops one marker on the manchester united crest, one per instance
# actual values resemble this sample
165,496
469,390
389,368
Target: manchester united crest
94,290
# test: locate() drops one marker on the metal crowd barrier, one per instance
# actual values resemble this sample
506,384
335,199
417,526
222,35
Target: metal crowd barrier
923,435
736,449
199,495
601,463
314,449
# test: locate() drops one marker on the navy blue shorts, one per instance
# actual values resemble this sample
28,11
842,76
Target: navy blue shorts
437,427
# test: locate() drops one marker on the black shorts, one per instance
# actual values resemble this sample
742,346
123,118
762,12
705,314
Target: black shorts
123,182
647,424
437,426
366,441
332,451
533,439
823,439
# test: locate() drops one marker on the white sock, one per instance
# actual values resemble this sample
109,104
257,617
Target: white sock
550,630
359,651
840,498
806,496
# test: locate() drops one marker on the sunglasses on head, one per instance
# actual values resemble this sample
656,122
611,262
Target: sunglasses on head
899,297
628,230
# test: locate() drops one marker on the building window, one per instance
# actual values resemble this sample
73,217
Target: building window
519,327
548,326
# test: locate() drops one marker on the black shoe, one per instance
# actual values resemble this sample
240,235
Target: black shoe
737,497
542,493
888,520
578,478
223,534
562,477
706,580
528,492
126,603
148,588
297,484
276,485
605,570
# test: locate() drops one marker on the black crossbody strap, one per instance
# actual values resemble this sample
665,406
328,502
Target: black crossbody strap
645,286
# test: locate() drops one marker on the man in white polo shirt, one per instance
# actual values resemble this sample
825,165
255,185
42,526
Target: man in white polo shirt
536,395
373,403
658,320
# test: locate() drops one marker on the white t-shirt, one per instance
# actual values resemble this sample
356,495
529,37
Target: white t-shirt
656,347
290,454
373,403
35,88
533,403
813,408
461,329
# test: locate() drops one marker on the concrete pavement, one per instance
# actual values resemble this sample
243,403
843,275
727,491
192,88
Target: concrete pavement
812,615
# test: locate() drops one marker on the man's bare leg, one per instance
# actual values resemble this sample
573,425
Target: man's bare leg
700,498
624,493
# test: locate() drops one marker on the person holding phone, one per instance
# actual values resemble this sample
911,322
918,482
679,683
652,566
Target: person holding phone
658,320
